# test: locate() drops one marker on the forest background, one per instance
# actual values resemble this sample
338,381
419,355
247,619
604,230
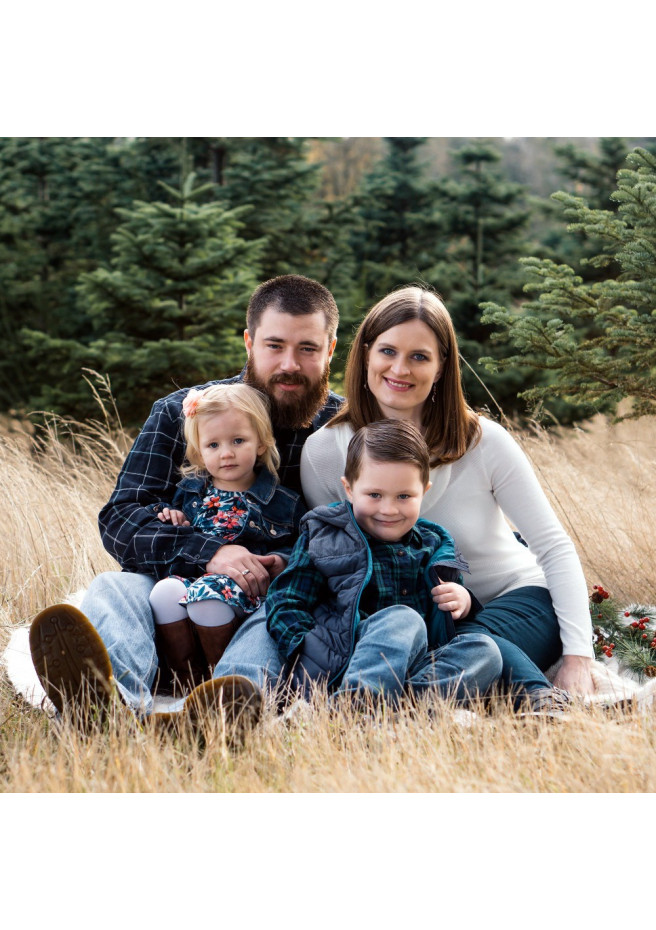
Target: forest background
135,257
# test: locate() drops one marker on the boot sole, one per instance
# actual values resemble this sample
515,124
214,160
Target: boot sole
232,698
70,658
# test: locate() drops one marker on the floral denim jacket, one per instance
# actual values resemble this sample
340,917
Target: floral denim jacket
273,518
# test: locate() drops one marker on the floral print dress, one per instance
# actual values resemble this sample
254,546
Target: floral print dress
222,513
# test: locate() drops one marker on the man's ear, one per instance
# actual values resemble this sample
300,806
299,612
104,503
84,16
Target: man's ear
347,488
331,348
248,342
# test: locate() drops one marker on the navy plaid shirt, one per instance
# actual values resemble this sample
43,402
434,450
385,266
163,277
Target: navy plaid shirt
129,527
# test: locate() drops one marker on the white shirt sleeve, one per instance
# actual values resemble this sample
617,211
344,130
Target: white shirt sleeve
322,465
518,492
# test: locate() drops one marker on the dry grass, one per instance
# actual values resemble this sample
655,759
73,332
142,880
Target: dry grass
601,482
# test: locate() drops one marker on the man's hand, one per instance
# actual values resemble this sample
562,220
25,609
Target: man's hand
176,517
245,569
574,675
449,595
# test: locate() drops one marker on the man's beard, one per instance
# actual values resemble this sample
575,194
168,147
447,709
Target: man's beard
300,409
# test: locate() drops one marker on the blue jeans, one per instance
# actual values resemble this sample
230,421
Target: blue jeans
252,653
391,656
118,606
524,626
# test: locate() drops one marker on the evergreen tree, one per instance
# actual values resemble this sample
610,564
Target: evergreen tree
169,311
273,177
485,223
58,201
593,177
596,340
396,226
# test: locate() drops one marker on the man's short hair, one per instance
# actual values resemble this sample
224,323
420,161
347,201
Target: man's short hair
295,294
387,441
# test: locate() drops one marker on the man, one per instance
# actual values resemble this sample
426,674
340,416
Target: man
290,338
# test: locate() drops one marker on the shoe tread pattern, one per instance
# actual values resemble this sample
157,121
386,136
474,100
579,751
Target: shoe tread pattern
68,655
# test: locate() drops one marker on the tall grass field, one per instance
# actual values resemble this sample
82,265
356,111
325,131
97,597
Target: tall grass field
600,479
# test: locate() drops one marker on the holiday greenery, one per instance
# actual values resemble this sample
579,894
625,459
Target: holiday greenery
627,634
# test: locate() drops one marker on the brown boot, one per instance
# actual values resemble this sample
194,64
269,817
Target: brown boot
71,662
180,649
214,640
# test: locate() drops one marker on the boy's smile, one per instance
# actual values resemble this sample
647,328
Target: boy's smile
386,498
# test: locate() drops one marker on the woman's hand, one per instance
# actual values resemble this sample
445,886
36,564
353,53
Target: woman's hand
574,675
244,568
176,517
454,597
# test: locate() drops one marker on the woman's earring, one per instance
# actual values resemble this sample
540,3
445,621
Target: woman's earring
434,392
365,383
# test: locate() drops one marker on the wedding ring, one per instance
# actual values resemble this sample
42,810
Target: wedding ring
246,571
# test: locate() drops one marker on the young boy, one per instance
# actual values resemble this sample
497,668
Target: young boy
357,605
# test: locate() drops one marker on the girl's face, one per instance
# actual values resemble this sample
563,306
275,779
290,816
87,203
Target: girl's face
229,446
403,364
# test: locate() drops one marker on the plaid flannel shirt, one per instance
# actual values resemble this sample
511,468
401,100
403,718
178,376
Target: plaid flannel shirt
128,523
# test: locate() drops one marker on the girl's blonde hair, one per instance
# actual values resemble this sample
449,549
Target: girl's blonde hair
450,426
220,398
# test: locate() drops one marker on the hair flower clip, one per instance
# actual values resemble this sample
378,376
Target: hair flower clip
190,403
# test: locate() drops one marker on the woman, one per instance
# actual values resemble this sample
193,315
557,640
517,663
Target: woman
403,363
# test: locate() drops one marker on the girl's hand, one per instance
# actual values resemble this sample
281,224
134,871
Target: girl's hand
453,597
176,517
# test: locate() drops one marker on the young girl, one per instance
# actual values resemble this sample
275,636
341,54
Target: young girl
229,490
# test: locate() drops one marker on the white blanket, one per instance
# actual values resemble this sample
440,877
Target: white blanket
611,685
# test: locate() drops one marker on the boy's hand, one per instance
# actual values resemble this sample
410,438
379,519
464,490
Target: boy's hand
454,597
274,564
176,517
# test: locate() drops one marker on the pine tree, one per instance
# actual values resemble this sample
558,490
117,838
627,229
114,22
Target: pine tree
58,201
595,340
274,179
396,226
485,223
593,177
169,311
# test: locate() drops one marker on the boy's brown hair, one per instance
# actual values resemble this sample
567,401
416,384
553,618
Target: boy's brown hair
387,441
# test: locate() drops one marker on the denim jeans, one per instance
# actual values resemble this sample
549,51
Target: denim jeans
118,606
524,626
391,656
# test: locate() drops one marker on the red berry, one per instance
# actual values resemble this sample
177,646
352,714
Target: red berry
626,613
644,636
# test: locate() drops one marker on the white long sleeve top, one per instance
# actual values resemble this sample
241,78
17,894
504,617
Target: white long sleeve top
474,498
